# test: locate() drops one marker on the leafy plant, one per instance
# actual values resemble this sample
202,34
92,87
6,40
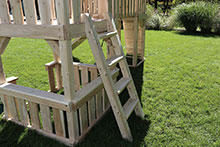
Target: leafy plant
207,12
187,15
216,24
197,14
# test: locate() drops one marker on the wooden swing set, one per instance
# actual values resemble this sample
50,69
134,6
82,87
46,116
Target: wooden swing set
89,90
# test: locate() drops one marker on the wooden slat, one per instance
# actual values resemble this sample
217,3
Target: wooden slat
99,99
133,7
46,118
4,12
51,79
106,35
106,103
6,107
129,107
130,7
23,112
58,122
76,11
102,7
122,84
70,9
91,103
53,9
17,13
34,113
83,110
30,11
2,74
45,11
95,6
37,96
112,61
12,108
127,8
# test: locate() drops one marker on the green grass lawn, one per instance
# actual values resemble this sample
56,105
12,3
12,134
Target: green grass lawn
179,85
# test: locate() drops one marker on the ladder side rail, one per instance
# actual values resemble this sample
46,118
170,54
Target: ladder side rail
105,75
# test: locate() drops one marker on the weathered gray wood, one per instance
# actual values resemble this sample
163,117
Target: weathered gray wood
17,13
30,11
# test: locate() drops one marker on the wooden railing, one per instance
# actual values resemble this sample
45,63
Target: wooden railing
45,11
48,112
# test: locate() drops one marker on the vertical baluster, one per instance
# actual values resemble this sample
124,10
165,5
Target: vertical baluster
91,103
30,11
127,8
76,11
17,12
83,110
34,113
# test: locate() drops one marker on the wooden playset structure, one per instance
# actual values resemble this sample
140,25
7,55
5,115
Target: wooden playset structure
89,90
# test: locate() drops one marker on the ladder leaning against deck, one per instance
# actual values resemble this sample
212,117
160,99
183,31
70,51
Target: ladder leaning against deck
113,90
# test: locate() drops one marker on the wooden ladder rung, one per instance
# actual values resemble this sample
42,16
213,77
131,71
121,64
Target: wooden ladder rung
114,60
122,84
106,35
129,107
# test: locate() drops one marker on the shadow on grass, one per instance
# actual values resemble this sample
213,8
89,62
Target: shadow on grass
105,133
198,34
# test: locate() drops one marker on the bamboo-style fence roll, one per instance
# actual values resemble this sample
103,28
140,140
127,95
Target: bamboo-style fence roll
129,28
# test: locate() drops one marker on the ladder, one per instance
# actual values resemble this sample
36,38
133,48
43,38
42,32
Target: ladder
113,89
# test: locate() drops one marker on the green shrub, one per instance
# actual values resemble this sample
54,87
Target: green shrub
149,11
216,24
197,14
187,15
157,21
207,12
154,23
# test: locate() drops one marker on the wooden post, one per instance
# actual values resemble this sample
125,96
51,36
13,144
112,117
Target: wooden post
67,68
